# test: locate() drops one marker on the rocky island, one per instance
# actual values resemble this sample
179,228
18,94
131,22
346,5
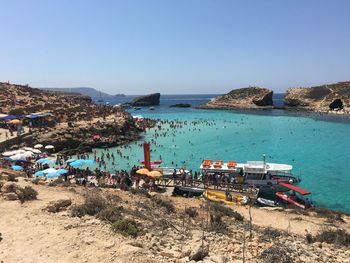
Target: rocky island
324,98
245,98
146,100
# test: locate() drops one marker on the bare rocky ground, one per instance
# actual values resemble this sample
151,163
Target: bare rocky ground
166,233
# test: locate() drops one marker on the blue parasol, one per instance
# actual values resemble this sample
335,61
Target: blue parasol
53,175
62,171
41,160
39,173
17,168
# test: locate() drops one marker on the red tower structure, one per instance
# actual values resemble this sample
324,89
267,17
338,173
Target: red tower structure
147,155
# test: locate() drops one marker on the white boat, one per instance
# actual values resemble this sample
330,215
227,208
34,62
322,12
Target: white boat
260,174
267,202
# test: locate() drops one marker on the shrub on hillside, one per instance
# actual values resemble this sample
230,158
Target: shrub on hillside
276,254
141,192
168,205
127,227
11,178
191,212
109,214
93,204
27,193
225,211
333,236
271,233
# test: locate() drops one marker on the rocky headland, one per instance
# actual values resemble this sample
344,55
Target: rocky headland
324,98
74,122
245,98
146,100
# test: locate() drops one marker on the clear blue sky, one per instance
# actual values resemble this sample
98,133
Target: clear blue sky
179,46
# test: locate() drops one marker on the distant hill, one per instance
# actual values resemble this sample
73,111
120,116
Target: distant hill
91,92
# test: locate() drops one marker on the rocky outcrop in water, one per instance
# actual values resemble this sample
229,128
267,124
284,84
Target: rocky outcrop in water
245,98
147,100
322,98
180,105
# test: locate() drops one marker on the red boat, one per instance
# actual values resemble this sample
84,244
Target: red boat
293,199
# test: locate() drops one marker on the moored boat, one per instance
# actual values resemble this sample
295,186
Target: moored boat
259,174
267,202
295,197
231,198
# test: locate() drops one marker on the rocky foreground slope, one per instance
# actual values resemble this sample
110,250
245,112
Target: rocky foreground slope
245,98
108,225
322,98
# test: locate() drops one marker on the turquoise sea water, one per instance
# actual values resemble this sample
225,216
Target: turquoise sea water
317,146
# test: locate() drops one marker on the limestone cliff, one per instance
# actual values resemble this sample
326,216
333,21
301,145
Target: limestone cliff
147,100
245,98
320,98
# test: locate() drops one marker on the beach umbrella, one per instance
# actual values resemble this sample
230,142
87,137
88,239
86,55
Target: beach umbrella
39,173
6,158
77,163
36,151
53,175
38,146
71,160
89,162
18,157
7,153
41,160
49,170
28,154
48,162
62,171
27,148
155,174
48,147
142,171
17,168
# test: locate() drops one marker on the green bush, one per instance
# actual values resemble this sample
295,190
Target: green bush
26,193
333,236
225,211
276,254
127,227
191,212
36,180
141,192
109,214
93,204
271,233
168,205
11,178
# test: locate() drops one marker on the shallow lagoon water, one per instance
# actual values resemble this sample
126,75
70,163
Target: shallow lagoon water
317,146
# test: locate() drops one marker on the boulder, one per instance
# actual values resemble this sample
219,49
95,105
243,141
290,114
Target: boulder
245,98
10,196
147,100
57,205
9,187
